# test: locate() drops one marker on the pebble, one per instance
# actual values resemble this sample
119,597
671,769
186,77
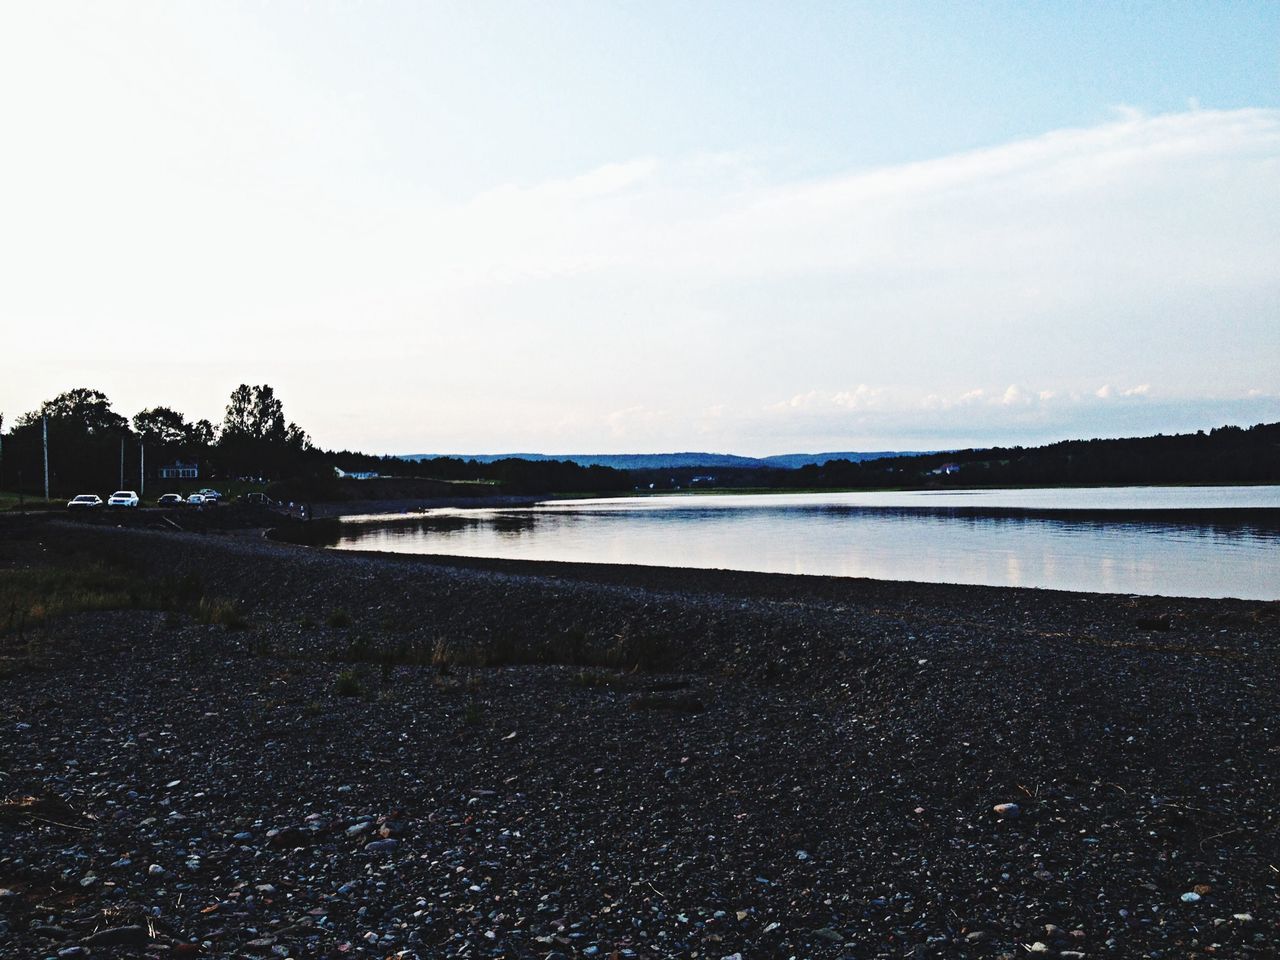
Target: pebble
130,935
1007,810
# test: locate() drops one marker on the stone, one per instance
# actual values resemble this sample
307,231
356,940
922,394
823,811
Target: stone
127,936
1007,810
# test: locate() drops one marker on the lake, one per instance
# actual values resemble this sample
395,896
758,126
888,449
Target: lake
1175,541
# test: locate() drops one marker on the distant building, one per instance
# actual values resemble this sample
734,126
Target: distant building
179,470
946,470
355,474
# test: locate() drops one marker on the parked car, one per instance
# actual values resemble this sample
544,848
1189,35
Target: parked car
196,500
210,494
84,501
123,498
170,500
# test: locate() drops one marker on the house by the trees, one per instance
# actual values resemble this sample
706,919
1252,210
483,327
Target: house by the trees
180,470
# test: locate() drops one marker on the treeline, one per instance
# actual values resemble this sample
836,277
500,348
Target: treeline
92,448
1223,455
526,476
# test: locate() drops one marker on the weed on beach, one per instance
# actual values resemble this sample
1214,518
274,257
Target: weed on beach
638,651
224,613
677,703
37,595
348,684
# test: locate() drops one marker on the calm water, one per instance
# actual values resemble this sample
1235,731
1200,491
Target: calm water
1180,541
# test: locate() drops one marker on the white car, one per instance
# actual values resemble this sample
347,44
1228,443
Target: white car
123,498
210,495
84,501
196,500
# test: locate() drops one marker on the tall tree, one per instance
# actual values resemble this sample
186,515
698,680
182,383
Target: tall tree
85,437
254,413
200,434
82,407
255,436
161,426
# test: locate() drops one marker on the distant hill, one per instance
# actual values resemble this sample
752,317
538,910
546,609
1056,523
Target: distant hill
664,461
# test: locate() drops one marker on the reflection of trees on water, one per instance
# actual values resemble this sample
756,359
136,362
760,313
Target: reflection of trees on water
1260,523
505,524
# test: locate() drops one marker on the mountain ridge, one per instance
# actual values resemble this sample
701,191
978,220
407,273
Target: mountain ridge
683,459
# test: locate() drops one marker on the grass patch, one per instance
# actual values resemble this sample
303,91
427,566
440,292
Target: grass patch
224,613
34,596
348,684
593,679
630,652
361,650
672,703
645,652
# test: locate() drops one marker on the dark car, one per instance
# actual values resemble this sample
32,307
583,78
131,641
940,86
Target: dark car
84,501
170,500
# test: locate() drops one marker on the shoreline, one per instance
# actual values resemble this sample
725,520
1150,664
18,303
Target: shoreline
343,753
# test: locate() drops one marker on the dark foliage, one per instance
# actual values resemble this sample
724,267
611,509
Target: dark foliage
1224,455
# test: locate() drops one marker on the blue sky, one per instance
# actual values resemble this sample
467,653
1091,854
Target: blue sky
620,226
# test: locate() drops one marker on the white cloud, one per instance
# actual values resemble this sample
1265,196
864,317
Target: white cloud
1015,396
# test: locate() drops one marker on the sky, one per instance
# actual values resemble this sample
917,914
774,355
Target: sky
620,227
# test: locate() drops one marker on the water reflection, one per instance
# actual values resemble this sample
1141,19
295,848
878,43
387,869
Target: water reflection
1198,550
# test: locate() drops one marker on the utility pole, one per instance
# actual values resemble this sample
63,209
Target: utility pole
44,429
142,468
121,487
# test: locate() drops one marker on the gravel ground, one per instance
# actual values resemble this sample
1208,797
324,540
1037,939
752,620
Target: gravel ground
810,767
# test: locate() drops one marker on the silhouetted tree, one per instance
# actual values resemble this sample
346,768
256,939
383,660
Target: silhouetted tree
255,436
87,409
85,441
161,427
